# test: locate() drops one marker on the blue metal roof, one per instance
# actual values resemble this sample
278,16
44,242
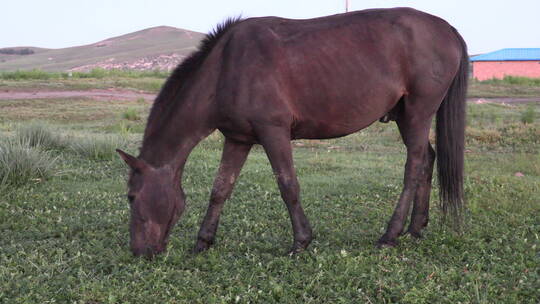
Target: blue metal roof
515,54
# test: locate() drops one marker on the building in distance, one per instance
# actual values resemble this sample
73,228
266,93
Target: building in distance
523,62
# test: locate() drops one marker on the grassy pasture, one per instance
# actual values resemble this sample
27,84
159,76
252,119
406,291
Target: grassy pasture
151,81
64,238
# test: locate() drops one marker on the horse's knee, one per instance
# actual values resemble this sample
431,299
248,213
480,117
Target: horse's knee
289,188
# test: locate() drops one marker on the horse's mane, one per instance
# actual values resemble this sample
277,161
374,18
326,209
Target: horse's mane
187,67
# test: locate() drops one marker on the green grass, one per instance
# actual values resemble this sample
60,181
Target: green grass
151,81
148,81
96,73
509,86
65,239
528,115
147,84
514,80
500,127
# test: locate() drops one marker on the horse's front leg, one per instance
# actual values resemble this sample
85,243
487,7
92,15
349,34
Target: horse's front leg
233,158
277,145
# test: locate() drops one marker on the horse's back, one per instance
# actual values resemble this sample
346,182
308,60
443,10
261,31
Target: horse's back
334,75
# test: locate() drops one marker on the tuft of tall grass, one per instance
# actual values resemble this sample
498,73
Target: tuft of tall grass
38,134
97,148
124,127
131,114
20,163
528,115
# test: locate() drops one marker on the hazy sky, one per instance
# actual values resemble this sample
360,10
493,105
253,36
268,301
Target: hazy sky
486,25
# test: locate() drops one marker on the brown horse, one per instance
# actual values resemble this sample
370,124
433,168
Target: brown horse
270,80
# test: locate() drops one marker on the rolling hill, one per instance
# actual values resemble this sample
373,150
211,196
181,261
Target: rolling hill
160,47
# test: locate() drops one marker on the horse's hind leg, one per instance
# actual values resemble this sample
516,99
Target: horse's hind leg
420,212
233,158
414,125
277,145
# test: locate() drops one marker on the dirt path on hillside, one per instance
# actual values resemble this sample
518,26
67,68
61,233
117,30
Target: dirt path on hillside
121,94
505,100
97,94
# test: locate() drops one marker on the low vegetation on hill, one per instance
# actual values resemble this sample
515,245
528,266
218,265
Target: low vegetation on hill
154,48
17,51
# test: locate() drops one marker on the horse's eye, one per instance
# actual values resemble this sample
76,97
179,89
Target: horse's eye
131,198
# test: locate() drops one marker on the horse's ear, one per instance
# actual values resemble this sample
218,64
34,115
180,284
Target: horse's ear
132,161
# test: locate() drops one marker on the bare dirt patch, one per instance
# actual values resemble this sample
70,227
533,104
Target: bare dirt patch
122,94
96,94
505,100
68,109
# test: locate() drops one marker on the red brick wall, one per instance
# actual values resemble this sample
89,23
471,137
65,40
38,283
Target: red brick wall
483,70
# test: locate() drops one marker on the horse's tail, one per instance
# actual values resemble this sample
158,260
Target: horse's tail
450,133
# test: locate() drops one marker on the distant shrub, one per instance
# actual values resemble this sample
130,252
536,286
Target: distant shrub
97,148
21,163
103,73
94,73
37,134
528,115
31,74
11,51
97,73
131,114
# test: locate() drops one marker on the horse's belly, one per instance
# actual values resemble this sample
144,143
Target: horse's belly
313,129
323,119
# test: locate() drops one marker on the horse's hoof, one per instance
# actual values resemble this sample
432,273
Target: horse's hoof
386,243
295,251
201,246
298,247
415,234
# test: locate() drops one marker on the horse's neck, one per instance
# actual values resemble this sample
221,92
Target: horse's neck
182,120
172,141
172,146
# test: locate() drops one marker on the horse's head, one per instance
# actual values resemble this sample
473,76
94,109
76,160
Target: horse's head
156,202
